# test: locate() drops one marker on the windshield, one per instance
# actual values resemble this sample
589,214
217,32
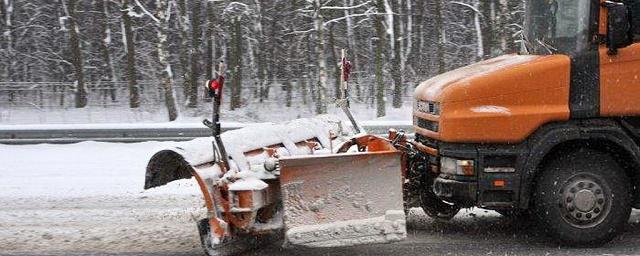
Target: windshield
557,26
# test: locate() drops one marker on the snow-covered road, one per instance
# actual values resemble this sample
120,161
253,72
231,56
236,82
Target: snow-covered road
99,224
87,198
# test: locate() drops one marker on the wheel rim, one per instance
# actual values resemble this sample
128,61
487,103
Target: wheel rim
585,200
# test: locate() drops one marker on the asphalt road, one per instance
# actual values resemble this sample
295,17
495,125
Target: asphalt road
163,225
478,233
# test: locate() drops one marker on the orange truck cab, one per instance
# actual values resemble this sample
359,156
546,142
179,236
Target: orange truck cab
553,131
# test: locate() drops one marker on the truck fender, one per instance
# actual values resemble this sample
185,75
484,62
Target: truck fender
595,133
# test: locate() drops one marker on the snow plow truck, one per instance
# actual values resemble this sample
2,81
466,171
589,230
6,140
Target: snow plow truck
553,132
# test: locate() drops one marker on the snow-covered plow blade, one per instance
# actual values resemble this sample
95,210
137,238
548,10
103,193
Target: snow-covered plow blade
307,179
343,199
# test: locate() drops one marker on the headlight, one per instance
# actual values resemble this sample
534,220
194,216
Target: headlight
457,167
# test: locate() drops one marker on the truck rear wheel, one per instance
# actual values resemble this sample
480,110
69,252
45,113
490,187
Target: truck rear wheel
583,198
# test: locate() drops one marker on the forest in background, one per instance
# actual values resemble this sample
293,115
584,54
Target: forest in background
289,47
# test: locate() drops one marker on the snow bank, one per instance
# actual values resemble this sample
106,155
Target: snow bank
81,170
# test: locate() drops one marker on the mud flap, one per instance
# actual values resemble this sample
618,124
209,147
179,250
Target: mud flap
343,199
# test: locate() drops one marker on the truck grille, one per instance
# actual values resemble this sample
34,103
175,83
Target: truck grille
429,142
432,161
428,107
426,124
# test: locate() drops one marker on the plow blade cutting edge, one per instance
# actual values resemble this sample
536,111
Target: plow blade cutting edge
343,199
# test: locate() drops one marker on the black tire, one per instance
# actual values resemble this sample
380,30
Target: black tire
582,198
226,248
236,245
431,204
205,239
437,209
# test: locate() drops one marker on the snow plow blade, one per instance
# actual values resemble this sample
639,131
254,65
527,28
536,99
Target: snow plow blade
343,199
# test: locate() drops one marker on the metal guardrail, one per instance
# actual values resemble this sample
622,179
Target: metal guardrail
61,134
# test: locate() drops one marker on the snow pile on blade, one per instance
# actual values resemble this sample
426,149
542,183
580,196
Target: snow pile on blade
180,160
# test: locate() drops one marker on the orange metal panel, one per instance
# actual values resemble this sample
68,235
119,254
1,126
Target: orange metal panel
604,22
499,101
426,132
426,116
425,149
214,223
620,81
245,199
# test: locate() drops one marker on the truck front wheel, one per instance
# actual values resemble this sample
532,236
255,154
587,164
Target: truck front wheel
437,209
583,198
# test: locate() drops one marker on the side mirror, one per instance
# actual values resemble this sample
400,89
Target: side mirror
618,26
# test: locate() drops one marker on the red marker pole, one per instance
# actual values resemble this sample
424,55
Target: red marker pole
215,88
345,67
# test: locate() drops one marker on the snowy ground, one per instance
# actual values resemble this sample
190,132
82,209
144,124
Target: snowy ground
87,198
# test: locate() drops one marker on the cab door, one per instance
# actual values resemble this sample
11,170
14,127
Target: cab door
620,81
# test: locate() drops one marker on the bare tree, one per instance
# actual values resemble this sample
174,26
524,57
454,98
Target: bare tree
321,104
209,38
184,49
294,41
134,94
257,55
76,53
235,63
107,72
440,30
196,35
238,12
396,67
163,17
7,46
334,60
406,30
488,10
351,40
379,58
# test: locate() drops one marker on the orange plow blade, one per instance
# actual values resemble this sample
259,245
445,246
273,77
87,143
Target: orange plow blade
343,199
